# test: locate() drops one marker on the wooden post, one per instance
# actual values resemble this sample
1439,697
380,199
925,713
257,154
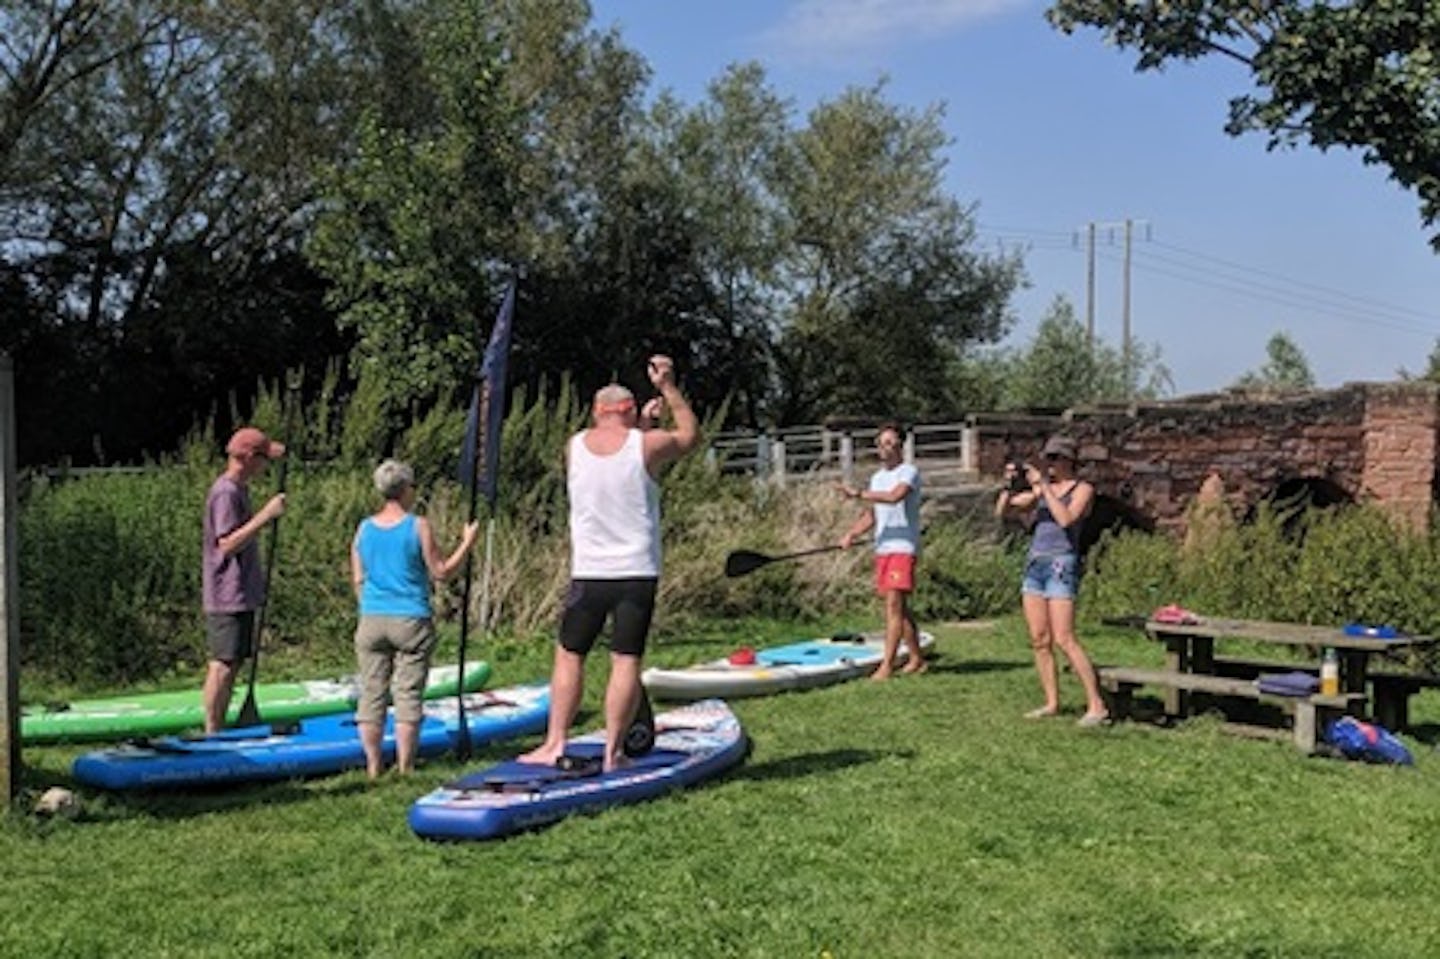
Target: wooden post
762,456
967,450
9,590
847,458
909,456
777,461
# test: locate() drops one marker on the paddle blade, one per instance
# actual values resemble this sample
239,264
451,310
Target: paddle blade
249,711
640,737
744,561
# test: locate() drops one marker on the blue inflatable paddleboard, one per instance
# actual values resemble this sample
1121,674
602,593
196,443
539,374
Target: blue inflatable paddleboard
313,747
692,744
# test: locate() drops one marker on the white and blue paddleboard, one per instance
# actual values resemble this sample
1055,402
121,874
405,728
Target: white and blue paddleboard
802,665
311,747
692,744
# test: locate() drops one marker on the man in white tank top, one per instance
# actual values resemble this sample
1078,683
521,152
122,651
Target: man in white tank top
614,551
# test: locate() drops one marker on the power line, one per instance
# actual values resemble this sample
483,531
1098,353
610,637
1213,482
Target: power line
1280,299
1220,275
1301,296
1300,283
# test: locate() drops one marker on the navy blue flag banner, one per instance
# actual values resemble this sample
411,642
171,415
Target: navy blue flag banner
480,456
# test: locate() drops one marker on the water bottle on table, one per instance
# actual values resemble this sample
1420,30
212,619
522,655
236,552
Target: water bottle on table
1330,674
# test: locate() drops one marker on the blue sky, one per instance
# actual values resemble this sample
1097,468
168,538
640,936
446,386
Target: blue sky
1053,132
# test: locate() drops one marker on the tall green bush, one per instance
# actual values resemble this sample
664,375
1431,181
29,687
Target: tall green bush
1329,567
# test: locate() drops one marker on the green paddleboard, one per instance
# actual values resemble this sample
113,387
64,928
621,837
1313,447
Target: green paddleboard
157,714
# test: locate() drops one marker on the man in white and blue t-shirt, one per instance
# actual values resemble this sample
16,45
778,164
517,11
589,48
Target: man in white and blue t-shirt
895,518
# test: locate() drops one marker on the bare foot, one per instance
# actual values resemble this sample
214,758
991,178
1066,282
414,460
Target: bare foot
881,674
916,666
618,761
544,755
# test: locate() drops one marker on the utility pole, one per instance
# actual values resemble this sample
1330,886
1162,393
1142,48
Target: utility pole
1125,314
1090,288
1126,341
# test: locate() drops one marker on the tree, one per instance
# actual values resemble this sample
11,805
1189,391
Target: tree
505,151
1363,75
1058,368
725,157
1432,367
1285,369
884,284
143,142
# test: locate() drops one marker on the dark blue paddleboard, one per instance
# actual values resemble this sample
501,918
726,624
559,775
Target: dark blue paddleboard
312,747
693,743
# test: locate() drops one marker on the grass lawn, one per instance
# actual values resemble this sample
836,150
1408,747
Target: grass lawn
919,817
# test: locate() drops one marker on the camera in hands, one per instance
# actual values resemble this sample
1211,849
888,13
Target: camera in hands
1018,482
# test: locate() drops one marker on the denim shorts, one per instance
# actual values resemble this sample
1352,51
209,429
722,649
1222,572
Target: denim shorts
1054,577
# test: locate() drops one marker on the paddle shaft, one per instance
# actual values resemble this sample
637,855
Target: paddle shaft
744,562
250,710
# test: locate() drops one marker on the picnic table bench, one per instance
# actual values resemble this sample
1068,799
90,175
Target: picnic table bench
1310,712
1195,675
1390,689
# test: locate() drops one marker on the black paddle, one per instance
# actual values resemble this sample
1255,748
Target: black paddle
743,561
249,711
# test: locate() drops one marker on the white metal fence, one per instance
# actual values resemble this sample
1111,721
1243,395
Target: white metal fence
947,452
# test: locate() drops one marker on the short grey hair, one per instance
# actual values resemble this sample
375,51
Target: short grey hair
391,478
612,395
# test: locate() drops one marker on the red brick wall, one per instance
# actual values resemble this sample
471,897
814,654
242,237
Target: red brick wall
1400,450
1371,440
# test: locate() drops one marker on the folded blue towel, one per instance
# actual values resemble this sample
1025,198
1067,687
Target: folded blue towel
1288,684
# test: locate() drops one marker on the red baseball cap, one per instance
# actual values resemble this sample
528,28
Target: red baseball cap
250,441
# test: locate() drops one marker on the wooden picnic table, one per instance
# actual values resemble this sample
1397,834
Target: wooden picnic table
1190,648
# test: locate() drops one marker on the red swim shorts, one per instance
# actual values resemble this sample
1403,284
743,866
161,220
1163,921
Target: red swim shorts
894,571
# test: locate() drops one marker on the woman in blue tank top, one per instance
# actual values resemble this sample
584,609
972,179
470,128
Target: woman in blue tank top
393,558
1058,501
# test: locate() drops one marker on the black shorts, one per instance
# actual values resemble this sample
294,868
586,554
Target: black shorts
590,601
230,635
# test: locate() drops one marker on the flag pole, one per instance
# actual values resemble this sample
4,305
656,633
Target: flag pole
462,742
479,465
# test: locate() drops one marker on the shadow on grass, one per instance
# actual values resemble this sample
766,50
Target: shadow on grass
812,764
1427,733
184,802
188,803
974,666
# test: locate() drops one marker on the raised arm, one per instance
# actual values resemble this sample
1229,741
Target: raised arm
666,446
1068,514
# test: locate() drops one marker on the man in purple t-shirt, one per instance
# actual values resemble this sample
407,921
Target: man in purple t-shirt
232,582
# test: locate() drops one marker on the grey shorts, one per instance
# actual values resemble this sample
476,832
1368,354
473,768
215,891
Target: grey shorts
394,657
230,636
